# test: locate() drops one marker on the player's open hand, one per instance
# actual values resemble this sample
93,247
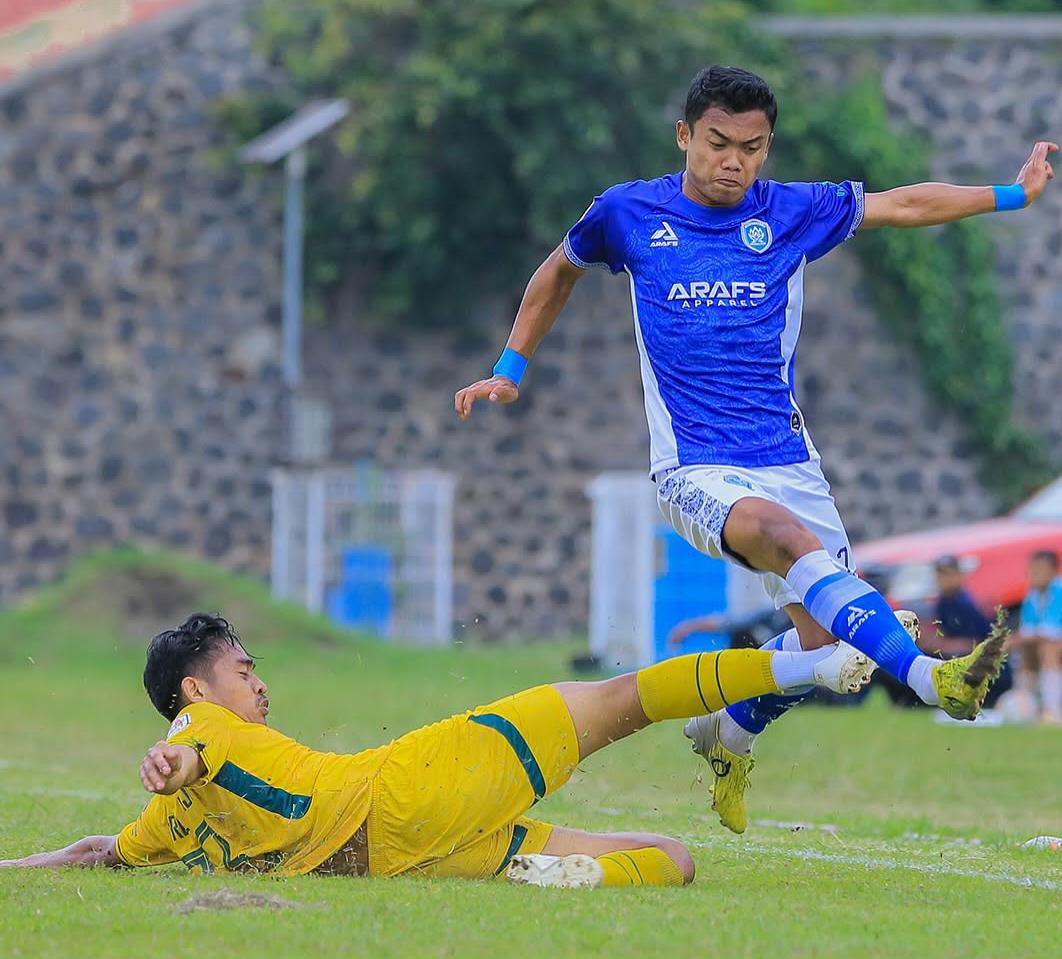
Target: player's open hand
160,768
1037,170
498,389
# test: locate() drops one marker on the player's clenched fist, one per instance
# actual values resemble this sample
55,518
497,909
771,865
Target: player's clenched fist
160,770
1037,170
498,389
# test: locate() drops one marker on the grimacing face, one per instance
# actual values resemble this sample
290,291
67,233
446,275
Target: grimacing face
231,682
724,154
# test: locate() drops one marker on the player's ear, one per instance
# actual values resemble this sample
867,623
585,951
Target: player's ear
192,689
682,135
767,148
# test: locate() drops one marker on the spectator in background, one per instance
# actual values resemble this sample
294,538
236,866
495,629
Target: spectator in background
1039,639
961,623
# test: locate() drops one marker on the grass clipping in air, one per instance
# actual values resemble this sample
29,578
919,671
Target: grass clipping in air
993,653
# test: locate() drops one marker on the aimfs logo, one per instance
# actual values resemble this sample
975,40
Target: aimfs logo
857,616
665,236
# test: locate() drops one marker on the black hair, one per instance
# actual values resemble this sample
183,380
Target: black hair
184,651
733,89
1048,556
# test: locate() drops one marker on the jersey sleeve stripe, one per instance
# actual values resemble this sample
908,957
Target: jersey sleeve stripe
578,260
857,218
247,786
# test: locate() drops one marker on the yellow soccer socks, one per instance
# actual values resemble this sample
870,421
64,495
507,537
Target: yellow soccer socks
700,683
639,867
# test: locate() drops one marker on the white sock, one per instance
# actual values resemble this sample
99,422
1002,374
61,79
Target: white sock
1051,692
920,679
791,641
792,670
730,732
734,736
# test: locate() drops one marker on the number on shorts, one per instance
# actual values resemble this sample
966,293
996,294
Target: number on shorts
842,555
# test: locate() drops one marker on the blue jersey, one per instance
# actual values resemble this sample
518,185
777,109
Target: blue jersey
1041,612
717,295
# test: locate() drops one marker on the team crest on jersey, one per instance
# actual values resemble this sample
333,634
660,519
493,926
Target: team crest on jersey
756,235
181,722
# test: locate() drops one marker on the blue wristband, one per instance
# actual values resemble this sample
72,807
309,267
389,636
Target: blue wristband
1010,197
511,364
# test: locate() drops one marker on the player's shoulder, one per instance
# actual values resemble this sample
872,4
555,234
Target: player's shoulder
793,198
198,714
641,193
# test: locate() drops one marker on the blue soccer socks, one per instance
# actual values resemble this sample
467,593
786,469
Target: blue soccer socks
852,610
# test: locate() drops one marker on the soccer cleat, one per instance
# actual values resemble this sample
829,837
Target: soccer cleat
848,670
731,771
963,683
567,872
845,670
909,621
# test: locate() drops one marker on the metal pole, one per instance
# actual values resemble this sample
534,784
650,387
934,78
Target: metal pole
295,168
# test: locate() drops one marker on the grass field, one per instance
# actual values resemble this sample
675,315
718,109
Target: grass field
909,846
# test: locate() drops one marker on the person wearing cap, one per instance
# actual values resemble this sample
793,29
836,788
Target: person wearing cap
962,623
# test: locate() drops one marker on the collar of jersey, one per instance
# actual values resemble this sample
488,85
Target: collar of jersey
720,216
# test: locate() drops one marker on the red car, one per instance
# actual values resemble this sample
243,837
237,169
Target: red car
994,555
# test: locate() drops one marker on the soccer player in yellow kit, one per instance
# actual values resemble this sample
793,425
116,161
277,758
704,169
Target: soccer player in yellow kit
450,799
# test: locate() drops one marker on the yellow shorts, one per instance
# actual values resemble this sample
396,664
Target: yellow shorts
450,798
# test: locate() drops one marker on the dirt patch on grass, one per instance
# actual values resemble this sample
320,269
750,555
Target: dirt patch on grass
136,603
228,899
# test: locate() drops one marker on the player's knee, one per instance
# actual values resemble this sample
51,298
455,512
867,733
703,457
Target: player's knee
768,535
679,855
789,539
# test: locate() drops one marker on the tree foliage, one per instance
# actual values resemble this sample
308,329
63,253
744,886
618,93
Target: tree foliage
481,129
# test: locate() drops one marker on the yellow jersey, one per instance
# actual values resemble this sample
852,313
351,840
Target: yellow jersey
266,802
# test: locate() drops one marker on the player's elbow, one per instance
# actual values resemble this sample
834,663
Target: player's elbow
93,851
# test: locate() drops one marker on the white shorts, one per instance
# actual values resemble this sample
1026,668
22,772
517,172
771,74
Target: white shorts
696,501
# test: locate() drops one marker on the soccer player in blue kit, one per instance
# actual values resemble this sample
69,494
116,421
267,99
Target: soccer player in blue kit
715,258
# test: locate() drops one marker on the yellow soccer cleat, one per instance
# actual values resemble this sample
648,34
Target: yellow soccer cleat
963,683
731,781
731,771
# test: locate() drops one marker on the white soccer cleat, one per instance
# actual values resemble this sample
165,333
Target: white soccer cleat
564,872
703,731
845,670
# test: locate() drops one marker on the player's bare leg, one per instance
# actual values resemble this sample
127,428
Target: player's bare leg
769,537
685,686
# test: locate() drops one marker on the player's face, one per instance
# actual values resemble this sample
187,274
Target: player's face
1041,572
234,684
949,581
724,154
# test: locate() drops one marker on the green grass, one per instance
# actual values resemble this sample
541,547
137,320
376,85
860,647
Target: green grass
923,860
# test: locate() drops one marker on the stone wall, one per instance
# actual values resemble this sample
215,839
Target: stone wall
136,401
140,396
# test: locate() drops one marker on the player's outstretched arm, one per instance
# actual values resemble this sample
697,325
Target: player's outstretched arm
928,204
545,296
166,768
90,851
